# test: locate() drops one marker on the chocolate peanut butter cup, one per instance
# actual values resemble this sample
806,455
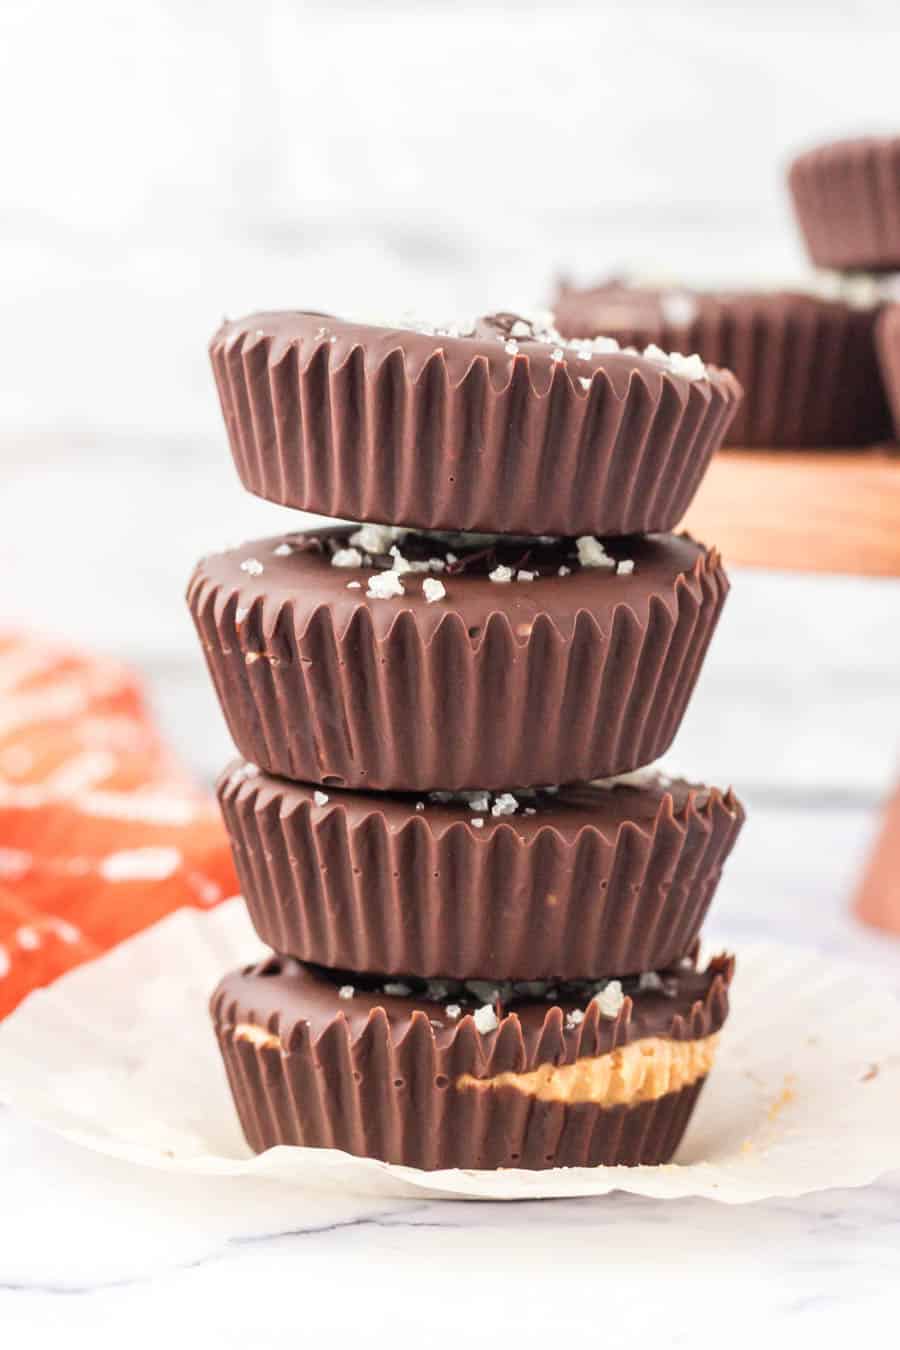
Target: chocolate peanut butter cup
807,364
400,661
443,1074
586,881
847,202
888,339
497,425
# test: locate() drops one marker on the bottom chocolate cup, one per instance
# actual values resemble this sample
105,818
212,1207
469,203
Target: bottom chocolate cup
443,1074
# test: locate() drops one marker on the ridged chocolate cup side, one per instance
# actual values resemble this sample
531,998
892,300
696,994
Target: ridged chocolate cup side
320,684
888,340
389,425
597,882
808,365
846,199
375,1086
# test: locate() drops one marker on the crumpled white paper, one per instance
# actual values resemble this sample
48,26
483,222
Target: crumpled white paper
119,1055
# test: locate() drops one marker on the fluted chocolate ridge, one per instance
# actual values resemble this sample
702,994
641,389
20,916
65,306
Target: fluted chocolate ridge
557,679
586,882
486,431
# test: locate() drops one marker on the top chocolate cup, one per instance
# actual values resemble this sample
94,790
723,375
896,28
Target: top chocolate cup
501,425
847,203
807,364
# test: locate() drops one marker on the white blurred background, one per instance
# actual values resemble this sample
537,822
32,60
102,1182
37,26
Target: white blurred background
167,163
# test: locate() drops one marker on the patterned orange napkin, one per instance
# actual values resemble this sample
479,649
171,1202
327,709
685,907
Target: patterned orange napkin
101,832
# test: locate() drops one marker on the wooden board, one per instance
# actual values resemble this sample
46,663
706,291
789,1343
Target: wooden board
803,510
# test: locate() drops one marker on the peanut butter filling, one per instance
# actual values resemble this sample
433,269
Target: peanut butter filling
258,1036
640,1072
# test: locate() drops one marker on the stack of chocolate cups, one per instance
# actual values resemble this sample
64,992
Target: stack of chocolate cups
484,909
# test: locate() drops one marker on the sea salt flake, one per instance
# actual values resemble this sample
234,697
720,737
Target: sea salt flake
584,381
504,805
564,571
574,1019
479,801
523,575
354,585
437,990
420,806
689,367
346,991
501,574
453,1011
252,566
346,557
625,567
384,585
397,989
485,1019
650,983
591,552
520,329
283,551
656,355
557,354
433,590
377,538
400,565
320,798
477,821
610,999
511,347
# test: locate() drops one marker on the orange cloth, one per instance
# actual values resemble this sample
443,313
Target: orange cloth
101,832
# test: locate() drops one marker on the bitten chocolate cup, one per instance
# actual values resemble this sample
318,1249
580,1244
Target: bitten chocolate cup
888,338
333,668
476,1078
587,881
808,365
506,428
847,202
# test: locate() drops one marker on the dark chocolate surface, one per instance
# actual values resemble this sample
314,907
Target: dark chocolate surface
531,434
559,679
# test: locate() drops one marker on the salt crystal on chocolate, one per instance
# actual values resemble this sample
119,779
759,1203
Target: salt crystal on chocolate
384,585
591,552
346,557
485,1019
433,590
252,566
500,573
610,999
504,805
